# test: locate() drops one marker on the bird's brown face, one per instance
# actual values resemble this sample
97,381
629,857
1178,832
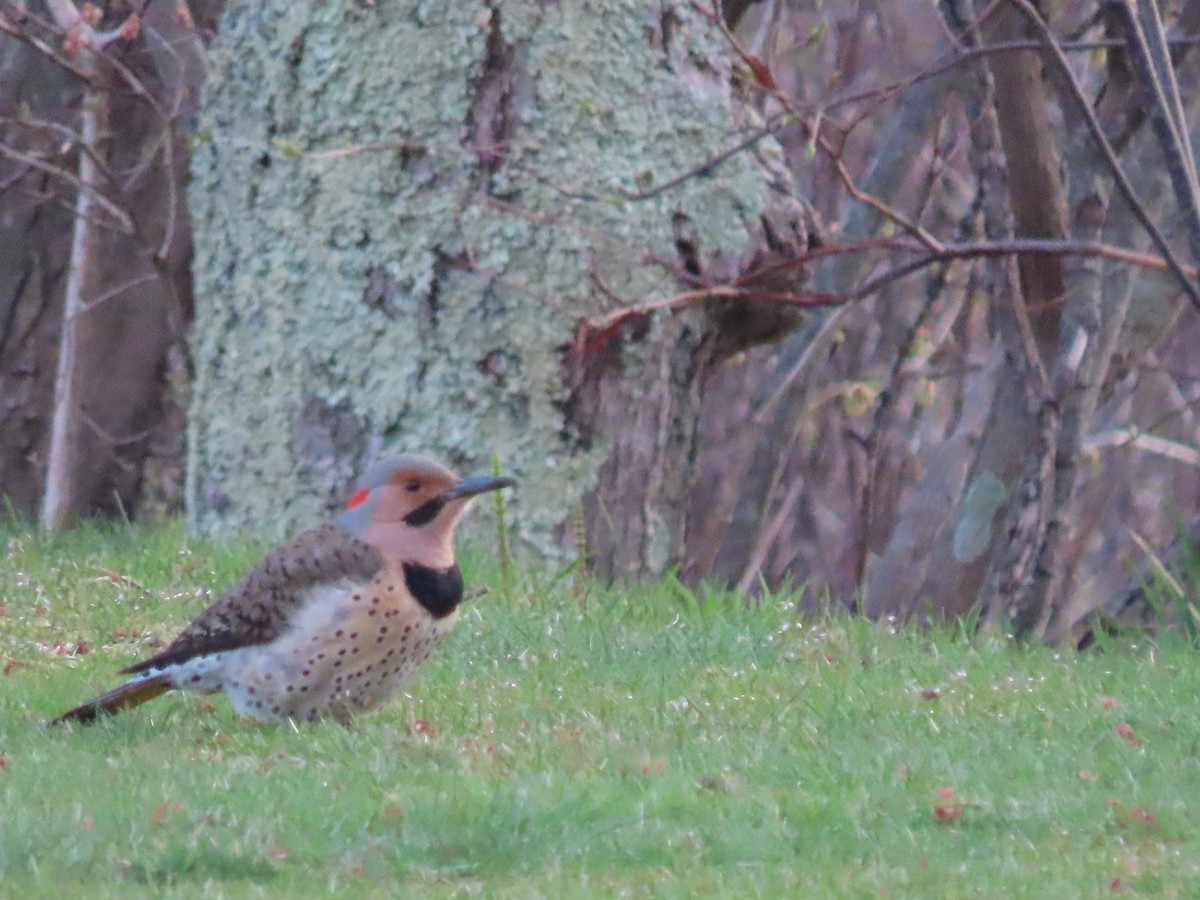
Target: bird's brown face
414,492
403,492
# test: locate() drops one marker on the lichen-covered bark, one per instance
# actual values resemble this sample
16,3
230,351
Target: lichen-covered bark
399,209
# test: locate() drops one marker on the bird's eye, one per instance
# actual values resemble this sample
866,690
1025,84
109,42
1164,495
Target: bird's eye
412,485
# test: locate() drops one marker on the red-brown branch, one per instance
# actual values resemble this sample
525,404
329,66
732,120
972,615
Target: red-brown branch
591,334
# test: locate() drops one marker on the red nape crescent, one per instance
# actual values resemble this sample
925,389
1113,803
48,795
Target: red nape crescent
359,496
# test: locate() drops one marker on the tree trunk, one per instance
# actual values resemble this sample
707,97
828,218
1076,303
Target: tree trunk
403,217
133,305
64,460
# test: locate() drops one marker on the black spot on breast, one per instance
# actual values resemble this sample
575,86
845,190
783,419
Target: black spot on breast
438,590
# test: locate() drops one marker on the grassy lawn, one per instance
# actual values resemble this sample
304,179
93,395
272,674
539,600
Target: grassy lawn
642,743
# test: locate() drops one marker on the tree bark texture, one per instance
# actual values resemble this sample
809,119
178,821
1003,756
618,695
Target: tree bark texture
1130,315
126,448
64,459
402,215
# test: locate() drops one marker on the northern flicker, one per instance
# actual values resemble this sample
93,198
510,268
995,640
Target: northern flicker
334,621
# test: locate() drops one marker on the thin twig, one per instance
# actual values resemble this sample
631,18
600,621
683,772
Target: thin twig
1157,564
1017,246
22,34
1135,437
58,172
111,293
1106,151
706,167
795,113
108,437
1153,63
770,89
596,331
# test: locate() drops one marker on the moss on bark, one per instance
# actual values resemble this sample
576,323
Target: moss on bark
398,209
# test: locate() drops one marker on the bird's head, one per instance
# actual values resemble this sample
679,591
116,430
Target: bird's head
409,506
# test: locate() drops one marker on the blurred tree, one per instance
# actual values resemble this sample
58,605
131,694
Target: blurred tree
948,372
409,222
569,240
95,251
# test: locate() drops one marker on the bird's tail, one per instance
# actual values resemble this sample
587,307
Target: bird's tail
131,693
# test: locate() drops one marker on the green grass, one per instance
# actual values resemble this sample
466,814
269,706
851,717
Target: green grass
640,743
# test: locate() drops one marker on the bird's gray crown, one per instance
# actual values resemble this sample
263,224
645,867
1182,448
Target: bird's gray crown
383,471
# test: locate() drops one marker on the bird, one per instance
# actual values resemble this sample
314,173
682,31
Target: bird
334,621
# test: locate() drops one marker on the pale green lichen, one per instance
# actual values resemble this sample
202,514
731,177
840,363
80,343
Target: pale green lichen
302,193
973,522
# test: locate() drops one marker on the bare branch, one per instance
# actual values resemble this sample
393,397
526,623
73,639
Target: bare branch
20,33
595,332
58,172
1133,437
706,167
66,16
1110,157
1153,62
117,291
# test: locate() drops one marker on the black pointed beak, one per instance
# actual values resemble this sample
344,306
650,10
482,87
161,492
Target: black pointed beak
476,484
468,487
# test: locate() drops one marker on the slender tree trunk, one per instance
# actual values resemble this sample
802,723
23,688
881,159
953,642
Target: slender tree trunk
95,252
1126,311
59,503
